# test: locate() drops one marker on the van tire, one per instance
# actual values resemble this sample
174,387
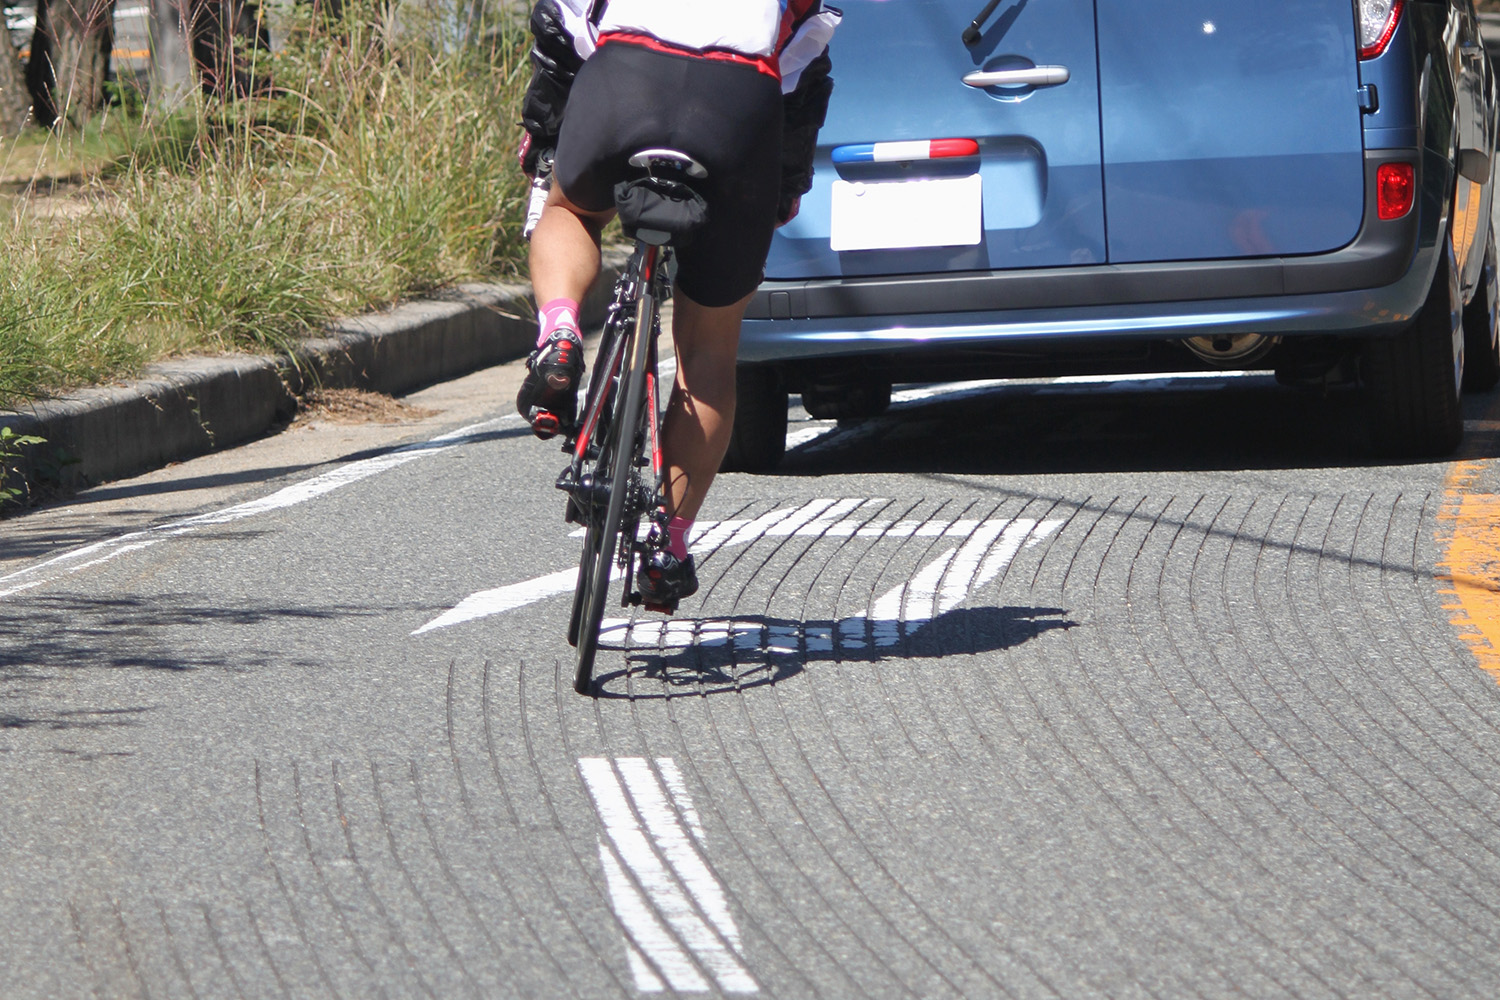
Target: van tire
1482,328
757,440
1412,379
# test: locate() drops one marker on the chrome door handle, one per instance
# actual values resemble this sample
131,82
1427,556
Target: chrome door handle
1037,76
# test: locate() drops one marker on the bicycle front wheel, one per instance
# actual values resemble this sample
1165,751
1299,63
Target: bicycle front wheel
618,465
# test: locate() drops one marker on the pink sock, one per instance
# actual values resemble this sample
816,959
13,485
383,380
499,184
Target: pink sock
558,312
677,536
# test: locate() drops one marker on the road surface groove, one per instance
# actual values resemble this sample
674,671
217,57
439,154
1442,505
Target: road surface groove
1085,714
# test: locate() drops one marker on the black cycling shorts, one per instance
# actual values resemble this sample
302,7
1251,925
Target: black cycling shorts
725,115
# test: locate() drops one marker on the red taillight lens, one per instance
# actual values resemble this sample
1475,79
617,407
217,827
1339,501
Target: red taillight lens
1377,23
1395,189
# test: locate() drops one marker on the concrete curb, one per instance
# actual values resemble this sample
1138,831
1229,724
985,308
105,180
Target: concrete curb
182,409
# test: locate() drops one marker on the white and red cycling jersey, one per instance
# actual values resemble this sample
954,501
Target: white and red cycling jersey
779,37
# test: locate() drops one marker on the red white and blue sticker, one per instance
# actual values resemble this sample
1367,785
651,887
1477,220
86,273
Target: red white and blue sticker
904,152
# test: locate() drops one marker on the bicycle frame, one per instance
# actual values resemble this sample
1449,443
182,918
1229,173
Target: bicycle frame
644,277
619,435
607,491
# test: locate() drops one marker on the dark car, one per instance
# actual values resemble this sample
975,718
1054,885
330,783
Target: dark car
1092,186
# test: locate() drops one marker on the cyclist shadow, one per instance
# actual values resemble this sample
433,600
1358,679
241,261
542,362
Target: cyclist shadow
688,656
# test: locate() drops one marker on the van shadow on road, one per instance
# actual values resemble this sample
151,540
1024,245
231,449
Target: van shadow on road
691,657
1166,425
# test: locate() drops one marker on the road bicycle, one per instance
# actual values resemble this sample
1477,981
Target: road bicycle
615,477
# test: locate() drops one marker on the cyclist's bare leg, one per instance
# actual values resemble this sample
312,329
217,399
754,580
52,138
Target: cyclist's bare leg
565,249
700,416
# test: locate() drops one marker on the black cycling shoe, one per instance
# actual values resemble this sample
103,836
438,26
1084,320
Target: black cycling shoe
664,580
548,399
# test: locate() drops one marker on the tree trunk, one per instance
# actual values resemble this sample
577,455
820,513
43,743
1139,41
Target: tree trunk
70,58
15,100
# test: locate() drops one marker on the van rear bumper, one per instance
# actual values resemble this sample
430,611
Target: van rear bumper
1373,285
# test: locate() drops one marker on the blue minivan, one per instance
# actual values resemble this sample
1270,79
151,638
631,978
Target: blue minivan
1043,187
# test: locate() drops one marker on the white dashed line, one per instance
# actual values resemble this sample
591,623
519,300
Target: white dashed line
933,591
503,599
69,562
987,547
675,912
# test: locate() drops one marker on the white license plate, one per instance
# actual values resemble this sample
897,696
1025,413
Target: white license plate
897,215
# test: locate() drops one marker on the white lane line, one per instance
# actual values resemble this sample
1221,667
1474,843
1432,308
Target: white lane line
945,389
680,799
902,399
68,562
1151,377
1160,382
677,888
816,431
964,572
761,526
933,591
943,584
645,931
813,518
738,531
502,599
888,614
132,542
665,825
799,437
820,518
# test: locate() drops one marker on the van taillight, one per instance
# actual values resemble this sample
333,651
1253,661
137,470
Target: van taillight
1395,189
1377,23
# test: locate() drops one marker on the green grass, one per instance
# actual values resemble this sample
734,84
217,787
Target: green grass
380,167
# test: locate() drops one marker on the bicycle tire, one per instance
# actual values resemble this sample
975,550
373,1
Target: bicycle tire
589,558
586,563
619,455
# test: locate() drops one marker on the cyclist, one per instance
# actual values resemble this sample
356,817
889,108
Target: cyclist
740,86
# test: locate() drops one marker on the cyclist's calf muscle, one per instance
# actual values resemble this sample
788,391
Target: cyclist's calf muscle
565,249
700,416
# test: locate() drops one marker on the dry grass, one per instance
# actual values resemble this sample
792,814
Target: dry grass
380,168
357,406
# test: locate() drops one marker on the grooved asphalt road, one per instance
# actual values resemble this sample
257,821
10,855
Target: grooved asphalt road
1043,690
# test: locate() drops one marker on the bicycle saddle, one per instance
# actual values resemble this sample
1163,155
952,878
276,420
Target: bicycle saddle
662,207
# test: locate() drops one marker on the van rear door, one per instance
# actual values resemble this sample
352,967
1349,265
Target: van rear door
1032,195
1230,128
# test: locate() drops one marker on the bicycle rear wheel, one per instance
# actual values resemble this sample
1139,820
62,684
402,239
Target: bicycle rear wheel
617,467
587,505
586,566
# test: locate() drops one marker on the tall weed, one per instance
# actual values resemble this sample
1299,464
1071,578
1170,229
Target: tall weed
378,165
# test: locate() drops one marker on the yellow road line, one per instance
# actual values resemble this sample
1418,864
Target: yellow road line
1471,566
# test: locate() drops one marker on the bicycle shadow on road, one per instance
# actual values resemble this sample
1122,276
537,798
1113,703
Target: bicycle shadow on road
695,657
